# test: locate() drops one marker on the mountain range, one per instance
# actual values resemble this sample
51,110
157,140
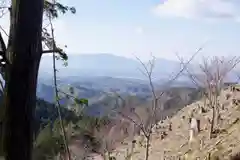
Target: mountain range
88,65
95,76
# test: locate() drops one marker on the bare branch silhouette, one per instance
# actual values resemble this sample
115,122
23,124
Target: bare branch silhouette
147,126
211,79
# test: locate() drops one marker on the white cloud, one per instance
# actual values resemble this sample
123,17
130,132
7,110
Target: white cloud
139,30
206,9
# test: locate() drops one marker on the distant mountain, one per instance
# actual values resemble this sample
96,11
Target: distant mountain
93,87
45,92
95,76
85,65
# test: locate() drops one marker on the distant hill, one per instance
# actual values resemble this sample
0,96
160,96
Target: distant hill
85,65
94,87
100,91
99,94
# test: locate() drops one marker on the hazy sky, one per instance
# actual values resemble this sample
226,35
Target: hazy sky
124,27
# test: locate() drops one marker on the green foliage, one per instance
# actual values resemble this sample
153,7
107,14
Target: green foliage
76,104
46,112
49,140
48,41
48,143
81,101
54,9
62,56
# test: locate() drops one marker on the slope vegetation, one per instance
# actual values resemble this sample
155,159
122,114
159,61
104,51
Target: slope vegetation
175,145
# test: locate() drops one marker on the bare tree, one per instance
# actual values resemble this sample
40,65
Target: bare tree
146,125
213,71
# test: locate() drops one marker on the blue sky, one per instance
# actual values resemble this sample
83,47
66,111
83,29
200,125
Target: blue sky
124,27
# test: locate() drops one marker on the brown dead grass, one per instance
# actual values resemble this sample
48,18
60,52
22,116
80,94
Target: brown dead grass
223,146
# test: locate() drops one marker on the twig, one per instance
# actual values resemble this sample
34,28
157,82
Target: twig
4,31
180,72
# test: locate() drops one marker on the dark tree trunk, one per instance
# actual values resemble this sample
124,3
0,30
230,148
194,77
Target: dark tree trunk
20,96
147,147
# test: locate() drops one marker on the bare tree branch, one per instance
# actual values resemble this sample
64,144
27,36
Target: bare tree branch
148,72
180,72
213,73
51,51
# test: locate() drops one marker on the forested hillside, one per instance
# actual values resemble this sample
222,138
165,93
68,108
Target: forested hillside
87,130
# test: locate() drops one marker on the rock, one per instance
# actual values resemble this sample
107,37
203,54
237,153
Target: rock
228,96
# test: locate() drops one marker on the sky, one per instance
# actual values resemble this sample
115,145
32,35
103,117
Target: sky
143,27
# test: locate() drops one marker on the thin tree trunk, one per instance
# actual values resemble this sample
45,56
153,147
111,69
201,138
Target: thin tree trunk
20,96
217,113
147,148
212,123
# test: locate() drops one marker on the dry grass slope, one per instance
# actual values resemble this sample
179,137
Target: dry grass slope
175,145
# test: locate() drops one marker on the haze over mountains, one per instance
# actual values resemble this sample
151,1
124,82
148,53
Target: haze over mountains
94,76
88,65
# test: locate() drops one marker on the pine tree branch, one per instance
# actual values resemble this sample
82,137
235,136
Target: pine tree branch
52,51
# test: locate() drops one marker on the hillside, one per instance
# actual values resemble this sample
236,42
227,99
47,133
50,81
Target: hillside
121,128
175,145
92,87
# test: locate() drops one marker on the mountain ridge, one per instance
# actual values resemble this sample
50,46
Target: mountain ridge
106,65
